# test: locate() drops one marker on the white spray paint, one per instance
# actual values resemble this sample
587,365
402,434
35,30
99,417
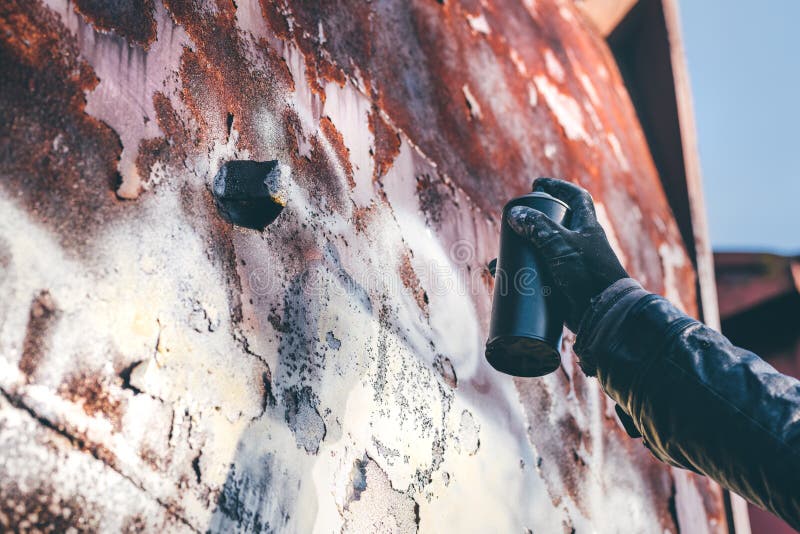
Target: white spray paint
478,23
553,65
565,108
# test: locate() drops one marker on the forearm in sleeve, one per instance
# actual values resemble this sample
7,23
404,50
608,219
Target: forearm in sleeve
698,401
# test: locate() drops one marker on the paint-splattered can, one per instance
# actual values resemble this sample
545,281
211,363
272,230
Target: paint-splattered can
527,315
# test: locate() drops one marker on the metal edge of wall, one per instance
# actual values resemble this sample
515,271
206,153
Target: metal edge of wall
707,289
606,14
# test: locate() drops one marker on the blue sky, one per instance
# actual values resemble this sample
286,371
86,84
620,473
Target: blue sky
744,64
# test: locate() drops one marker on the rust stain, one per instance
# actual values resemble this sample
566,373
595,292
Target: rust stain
41,317
134,524
492,160
334,137
660,482
317,174
562,451
59,162
433,195
487,278
387,143
712,498
201,87
322,63
444,367
411,281
219,77
91,392
171,149
75,437
569,464
152,458
362,217
130,19
40,509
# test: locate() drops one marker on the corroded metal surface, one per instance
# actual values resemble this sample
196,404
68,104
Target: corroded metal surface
162,369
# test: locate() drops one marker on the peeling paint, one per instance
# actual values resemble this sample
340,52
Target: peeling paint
554,68
615,146
565,108
472,103
479,23
533,95
378,507
518,62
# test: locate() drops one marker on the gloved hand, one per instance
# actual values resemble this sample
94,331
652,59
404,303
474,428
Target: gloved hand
580,259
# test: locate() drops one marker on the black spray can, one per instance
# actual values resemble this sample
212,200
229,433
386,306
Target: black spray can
527,317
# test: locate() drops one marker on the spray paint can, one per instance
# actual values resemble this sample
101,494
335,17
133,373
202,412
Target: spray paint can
527,317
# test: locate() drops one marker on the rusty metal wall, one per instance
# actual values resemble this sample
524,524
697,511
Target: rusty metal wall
162,370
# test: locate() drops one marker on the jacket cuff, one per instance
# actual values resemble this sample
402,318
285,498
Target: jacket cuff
602,321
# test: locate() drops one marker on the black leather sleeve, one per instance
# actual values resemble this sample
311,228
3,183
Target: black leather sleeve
698,401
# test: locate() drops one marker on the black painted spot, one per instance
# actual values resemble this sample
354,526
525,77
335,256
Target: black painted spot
248,193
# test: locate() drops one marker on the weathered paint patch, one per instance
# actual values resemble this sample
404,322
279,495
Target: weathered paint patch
43,312
554,68
376,506
472,103
66,166
533,95
565,108
479,23
615,146
519,63
130,19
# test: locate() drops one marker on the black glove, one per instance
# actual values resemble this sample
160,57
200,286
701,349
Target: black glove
580,259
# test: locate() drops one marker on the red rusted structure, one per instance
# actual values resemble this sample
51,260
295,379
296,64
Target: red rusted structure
163,370
759,304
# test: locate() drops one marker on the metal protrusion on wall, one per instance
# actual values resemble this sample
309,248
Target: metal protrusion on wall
250,193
